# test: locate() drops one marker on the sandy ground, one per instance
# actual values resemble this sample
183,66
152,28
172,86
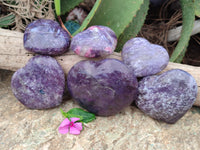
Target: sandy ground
25,129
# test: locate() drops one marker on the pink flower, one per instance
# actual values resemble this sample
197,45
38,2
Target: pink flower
70,126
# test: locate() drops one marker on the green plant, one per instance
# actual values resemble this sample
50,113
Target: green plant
188,16
7,20
126,23
126,19
197,7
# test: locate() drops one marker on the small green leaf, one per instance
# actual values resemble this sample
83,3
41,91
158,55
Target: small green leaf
85,116
188,22
67,5
197,7
57,7
63,113
66,115
7,20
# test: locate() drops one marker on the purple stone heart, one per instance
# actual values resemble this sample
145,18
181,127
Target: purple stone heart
167,97
40,84
102,87
96,41
46,37
143,57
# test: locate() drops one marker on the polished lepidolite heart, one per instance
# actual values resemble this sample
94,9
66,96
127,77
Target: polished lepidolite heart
167,97
143,57
96,41
40,84
46,37
102,87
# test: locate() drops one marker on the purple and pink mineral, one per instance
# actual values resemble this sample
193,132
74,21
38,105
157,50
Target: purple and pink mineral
96,41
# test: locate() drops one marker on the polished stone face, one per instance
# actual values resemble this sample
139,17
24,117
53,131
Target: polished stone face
143,57
46,37
40,84
167,97
102,87
96,41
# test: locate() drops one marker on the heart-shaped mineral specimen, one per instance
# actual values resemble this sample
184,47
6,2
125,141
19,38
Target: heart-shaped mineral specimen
143,57
40,84
46,37
96,41
102,87
167,97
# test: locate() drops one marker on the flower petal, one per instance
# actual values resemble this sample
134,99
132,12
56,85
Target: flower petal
74,130
78,126
65,123
74,119
63,130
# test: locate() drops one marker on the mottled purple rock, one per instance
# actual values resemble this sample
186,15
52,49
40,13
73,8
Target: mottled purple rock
102,87
40,84
167,97
96,41
143,57
46,37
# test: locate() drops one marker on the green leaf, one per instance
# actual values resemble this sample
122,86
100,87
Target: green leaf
88,18
63,113
86,116
66,115
116,14
57,7
188,15
197,7
67,5
7,20
79,113
134,26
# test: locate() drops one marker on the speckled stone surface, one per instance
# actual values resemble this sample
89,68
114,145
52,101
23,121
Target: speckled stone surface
46,37
102,87
167,97
25,129
40,84
96,41
143,57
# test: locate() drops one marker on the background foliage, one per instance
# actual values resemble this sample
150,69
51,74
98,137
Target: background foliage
128,21
125,17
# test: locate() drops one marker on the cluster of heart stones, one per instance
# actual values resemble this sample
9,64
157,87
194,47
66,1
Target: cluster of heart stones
104,87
